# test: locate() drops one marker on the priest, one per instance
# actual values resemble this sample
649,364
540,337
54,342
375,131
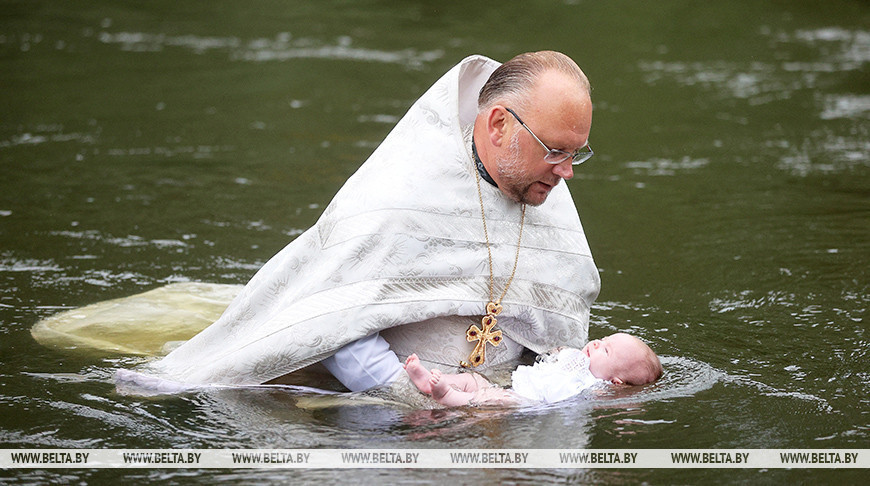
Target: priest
455,240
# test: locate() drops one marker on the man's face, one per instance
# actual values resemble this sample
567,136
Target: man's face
561,116
528,183
611,357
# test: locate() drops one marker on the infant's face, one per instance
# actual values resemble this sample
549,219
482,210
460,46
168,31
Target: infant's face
611,356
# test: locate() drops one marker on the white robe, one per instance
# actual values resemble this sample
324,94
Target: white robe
402,243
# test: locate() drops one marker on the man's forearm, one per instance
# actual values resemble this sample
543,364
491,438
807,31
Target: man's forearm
364,364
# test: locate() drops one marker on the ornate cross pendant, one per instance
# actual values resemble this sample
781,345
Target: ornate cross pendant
486,335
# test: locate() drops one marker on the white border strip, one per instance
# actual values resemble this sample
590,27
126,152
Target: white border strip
434,458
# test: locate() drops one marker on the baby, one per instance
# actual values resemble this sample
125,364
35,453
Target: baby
619,358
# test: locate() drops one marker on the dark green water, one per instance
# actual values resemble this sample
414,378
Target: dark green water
727,206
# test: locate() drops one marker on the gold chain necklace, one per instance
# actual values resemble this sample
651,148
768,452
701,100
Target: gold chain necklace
493,307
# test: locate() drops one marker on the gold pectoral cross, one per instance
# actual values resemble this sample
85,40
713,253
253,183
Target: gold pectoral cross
486,335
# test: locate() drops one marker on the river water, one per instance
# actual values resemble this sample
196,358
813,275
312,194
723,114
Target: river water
727,207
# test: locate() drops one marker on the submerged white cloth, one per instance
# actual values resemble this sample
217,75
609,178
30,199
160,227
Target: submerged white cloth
555,378
402,243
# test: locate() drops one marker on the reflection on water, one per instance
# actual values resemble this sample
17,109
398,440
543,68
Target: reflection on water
726,208
233,415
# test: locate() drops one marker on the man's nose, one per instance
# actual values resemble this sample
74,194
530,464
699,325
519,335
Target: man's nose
564,170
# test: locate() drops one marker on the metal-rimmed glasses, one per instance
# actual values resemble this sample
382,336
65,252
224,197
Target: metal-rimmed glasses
558,156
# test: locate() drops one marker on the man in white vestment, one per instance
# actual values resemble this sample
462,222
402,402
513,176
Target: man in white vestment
455,240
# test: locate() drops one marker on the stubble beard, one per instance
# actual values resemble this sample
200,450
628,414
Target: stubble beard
515,182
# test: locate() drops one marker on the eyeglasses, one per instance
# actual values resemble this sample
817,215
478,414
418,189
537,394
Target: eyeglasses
558,156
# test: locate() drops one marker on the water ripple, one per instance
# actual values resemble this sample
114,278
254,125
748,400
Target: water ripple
282,47
683,377
839,50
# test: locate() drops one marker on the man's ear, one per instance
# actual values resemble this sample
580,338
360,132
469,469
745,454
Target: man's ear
496,125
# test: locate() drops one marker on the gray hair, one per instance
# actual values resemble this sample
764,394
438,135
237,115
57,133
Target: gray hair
513,80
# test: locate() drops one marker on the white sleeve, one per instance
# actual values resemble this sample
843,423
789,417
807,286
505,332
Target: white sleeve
365,363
